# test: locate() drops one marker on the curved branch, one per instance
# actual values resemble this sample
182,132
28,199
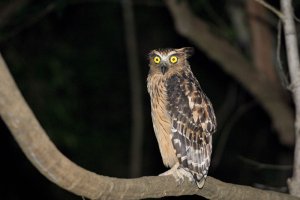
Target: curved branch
43,154
236,65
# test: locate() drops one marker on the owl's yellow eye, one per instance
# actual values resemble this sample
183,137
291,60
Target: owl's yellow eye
156,59
173,59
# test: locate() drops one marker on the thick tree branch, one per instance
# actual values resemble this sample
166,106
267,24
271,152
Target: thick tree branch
236,65
294,70
43,154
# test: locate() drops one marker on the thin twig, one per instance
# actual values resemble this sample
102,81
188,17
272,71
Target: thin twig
283,76
271,8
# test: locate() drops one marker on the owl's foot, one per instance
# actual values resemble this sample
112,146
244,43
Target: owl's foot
179,174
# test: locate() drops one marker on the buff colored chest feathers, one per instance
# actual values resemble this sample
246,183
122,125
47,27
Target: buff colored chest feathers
161,119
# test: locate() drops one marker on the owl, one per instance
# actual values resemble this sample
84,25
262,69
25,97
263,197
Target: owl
182,115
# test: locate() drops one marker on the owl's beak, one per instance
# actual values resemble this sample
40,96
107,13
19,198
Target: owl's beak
163,68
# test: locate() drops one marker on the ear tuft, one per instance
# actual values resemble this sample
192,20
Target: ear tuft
189,51
151,54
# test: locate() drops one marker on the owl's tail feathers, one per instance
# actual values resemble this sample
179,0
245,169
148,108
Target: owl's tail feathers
200,183
199,179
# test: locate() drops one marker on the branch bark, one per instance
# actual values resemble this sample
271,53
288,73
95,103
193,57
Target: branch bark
43,154
294,70
236,65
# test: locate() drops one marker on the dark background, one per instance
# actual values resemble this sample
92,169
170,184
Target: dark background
71,66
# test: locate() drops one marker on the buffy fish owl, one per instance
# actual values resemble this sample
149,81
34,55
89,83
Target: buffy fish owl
182,115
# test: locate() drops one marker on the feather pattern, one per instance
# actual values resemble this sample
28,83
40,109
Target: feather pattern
193,122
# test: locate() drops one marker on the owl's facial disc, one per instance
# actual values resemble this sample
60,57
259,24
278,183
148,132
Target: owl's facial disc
163,68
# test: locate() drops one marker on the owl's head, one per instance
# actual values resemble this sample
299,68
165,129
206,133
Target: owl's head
169,60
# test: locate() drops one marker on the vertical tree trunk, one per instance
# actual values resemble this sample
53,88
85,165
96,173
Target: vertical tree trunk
136,90
294,70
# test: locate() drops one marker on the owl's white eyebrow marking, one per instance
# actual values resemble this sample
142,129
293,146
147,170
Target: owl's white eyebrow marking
165,55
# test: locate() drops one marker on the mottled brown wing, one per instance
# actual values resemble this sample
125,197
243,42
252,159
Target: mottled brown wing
193,122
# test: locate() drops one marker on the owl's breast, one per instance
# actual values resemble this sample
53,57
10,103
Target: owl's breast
161,120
